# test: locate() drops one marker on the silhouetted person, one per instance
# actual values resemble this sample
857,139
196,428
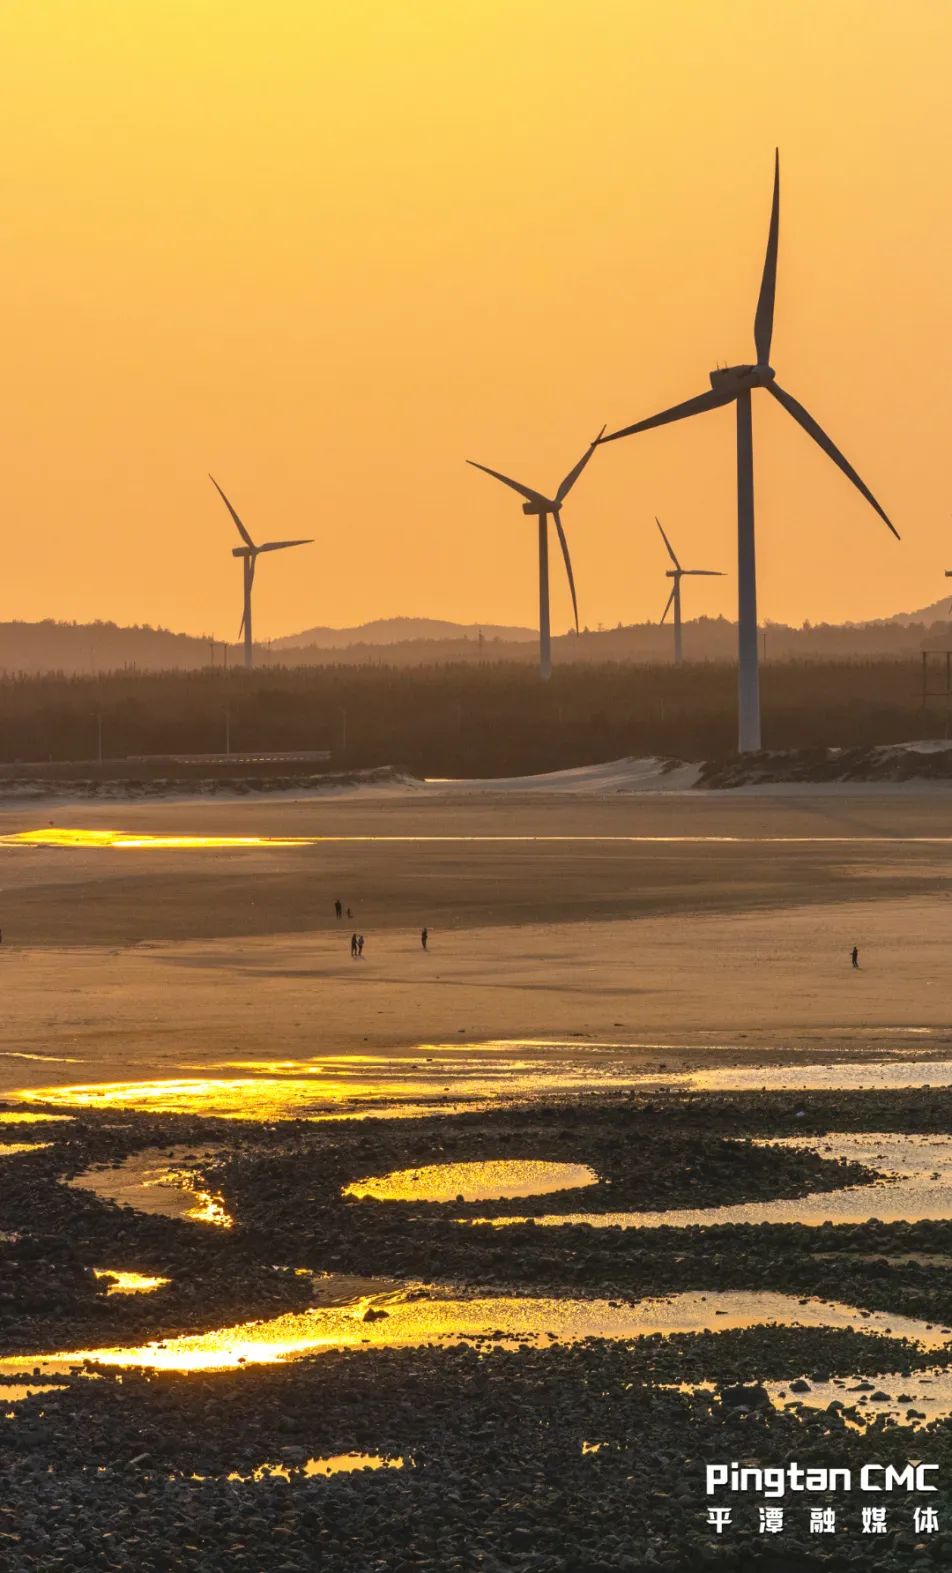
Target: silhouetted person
854,956
353,946
338,910
360,946
349,914
425,938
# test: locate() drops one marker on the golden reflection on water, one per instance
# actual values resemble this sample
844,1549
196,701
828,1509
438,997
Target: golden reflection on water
503,1321
121,1282
303,1096
16,1392
473,1182
336,1464
32,1119
125,840
158,1181
10,1149
129,841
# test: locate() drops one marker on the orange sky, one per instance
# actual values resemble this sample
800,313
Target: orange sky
329,251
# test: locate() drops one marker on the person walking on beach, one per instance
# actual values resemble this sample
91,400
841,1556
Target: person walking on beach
339,911
360,947
425,938
854,956
353,947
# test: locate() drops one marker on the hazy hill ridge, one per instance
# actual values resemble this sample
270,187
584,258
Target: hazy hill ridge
78,648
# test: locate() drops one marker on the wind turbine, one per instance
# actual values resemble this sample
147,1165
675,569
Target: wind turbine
677,573
542,507
249,554
733,385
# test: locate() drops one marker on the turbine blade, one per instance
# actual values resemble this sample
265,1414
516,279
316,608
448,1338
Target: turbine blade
677,412
667,543
517,486
279,546
829,447
763,321
241,529
576,471
667,607
705,573
568,562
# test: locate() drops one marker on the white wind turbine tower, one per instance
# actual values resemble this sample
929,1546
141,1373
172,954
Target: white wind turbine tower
677,573
733,385
542,507
249,554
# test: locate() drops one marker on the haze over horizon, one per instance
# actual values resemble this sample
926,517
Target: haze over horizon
329,255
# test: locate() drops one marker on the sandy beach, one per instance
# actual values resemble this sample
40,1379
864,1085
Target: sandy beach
712,924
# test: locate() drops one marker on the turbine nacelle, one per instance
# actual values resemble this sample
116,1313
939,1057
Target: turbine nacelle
540,507
731,380
243,551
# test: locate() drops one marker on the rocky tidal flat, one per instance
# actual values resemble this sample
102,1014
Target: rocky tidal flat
535,1450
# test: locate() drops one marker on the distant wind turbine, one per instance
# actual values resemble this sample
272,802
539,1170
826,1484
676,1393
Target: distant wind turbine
677,573
733,384
249,554
542,507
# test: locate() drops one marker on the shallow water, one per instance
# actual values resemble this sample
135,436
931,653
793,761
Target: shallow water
473,1182
928,1392
916,1186
845,1074
119,1281
159,1180
11,1149
504,1321
336,1464
124,840
16,1392
319,1091
14,1118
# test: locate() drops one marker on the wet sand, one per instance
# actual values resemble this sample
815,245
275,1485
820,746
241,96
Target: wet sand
121,962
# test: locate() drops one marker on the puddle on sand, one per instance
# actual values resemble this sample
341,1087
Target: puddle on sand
473,1182
914,1400
917,1187
844,1075
159,1180
130,841
10,1149
119,1282
321,1092
417,1316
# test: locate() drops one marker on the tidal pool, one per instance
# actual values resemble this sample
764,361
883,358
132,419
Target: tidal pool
418,1316
927,1393
312,1468
915,1186
159,1180
497,1179
14,1118
120,1282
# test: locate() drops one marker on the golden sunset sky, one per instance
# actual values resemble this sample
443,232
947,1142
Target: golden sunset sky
329,249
